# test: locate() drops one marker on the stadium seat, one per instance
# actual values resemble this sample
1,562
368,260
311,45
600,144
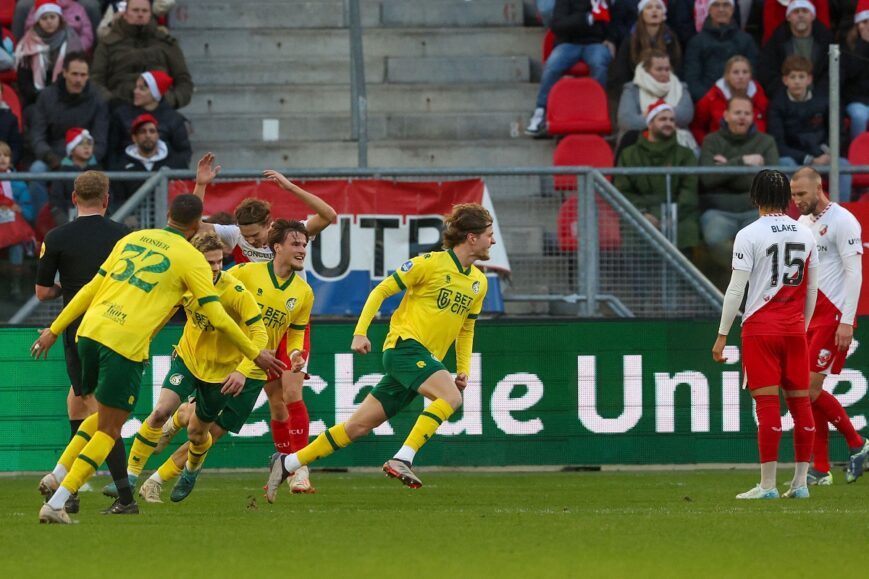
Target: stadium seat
577,105
10,97
858,154
7,12
578,69
580,150
609,233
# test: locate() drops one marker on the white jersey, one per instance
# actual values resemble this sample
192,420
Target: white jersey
837,235
777,252
242,251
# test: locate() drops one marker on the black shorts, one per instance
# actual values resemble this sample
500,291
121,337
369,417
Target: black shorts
73,362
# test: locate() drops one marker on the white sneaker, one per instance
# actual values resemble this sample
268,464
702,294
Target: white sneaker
537,124
166,436
150,491
49,515
48,485
300,482
759,492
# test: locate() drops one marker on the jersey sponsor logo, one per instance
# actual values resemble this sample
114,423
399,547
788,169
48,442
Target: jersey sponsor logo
449,278
291,304
475,287
854,241
202,322
115,313
420,364
273,318
176,379
739,255
824,357
405,267
457,302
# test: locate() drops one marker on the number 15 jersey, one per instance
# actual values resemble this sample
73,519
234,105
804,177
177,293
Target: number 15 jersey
777,252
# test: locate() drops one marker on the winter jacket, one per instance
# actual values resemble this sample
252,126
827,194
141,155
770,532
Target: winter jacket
855,73
731,192
781,45
709,111
128,51
60,191
709,50
648,192
631,118
622,67
56,111
842,12
21,196
774,15
171,125
75,17
571,23
799,128
10,134
133,162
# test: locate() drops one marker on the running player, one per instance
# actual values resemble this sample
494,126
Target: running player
136,288
285,300
776,257
444,294
837,234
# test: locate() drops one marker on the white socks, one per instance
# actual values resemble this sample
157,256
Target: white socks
767,474
291,463
406,454
58,499
59,473
802,470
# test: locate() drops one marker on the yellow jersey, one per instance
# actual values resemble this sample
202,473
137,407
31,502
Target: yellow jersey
440,296
208,354
136,288
285,305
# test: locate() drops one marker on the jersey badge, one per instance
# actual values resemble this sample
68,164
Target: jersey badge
259,291
823,231
291,304
449,278
405,267
420,364
824,357
239,288
475,287
175,379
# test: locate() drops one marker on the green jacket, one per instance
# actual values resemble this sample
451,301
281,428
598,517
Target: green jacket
731,192
648,192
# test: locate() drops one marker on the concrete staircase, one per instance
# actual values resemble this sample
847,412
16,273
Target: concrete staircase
449,82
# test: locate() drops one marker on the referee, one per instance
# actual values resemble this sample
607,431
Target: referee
76,250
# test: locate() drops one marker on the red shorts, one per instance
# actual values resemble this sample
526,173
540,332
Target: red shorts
775,361
824,356
281,354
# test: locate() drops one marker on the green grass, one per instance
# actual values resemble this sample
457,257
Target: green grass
662,524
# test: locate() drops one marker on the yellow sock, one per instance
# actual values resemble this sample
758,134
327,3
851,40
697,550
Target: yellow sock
91,457
168,470
196,453
143,447
333,439
176,423
427,423
79,441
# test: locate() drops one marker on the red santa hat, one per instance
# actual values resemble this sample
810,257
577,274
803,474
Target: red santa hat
75,137
643,3
656,108
46,7
862,12
158,82
142,120
794,4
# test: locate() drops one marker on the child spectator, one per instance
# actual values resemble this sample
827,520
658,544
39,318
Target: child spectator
15,198
79,158
9,132
736,81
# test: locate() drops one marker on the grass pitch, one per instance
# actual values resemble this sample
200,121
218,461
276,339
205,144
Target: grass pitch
661,524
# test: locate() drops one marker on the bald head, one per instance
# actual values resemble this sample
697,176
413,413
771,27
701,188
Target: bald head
807,191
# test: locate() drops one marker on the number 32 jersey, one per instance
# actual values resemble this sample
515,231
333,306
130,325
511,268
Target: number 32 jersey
777,252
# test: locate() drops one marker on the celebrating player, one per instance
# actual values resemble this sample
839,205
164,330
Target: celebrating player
777,258
444,294
837,234
136,288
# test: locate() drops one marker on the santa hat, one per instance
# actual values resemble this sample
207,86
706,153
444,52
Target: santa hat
794,4
862,12
46,7
655,108
75,137
142,120
642,4
158,82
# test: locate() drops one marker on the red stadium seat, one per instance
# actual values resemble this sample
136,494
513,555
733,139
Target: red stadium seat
609,234
858,154
10,97
580,150
577,105
7,12
578,69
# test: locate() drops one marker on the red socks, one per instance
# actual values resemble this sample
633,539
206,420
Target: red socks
804,427
768,427
821,454
281,436
836,415
298,425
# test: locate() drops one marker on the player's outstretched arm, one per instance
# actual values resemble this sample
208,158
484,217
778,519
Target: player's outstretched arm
206,173
324,214
732,301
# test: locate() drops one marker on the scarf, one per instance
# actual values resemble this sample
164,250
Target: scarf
725,89
652,90
37,49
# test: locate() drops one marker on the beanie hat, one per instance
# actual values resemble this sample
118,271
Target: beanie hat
655,108
46,7
794,4
158,82
74,138
862,12
642,4
142,120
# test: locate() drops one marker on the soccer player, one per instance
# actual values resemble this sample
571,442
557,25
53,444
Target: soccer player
249,242
75,250
837,234
203,365
285,300
777,258
136,288
444,294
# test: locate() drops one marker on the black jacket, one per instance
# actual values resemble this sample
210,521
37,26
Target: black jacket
855,73
781,45
799,128
10,134
707,53
571,23
56,111
171,125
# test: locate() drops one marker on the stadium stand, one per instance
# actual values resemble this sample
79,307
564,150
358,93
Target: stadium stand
563,116
574,150
578,69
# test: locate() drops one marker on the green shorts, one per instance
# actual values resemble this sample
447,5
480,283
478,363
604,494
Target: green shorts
209,400
238,408
407,366
113,379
